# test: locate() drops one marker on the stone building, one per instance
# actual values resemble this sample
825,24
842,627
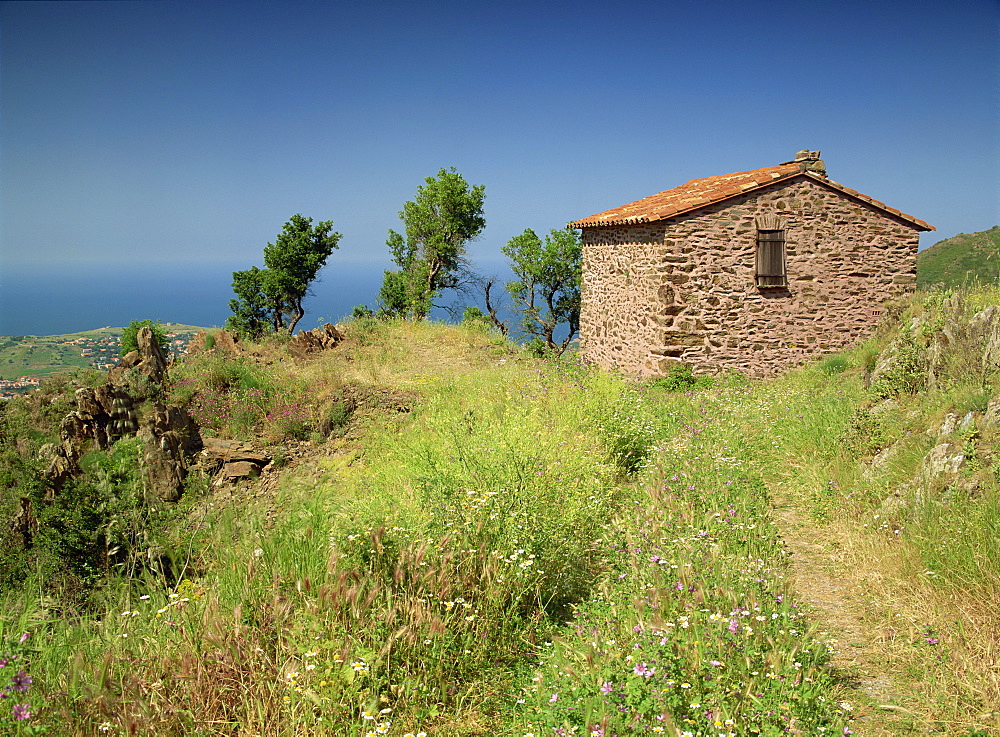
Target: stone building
755,271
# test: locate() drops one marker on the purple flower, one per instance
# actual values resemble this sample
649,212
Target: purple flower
715,663
21,681
606,687
24,637
554,699
733,626
21,712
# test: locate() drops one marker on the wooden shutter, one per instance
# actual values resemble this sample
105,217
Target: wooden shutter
771,258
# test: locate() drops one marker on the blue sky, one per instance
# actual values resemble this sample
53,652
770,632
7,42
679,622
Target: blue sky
185,133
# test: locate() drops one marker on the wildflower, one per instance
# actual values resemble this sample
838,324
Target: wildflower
642,670
104,726
846,706
554,699
606,687
20,681
24,637
21,712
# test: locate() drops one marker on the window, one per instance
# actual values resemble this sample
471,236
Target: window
771,258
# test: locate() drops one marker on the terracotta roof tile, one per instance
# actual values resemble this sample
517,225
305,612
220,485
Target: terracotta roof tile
701,192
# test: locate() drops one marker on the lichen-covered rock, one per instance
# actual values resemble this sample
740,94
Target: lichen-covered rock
942,463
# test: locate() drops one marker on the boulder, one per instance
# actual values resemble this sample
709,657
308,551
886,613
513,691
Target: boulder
991,418
228,461
228,343
312,341
942,463
170,437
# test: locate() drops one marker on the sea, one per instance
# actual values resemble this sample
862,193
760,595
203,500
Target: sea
50,301
56,302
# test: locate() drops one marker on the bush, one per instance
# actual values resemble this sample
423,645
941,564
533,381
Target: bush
832,365
680,378
129,333
628,434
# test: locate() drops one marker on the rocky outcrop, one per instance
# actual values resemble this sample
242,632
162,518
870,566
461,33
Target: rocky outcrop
109,412
221,340
312,341
170,437
229,461
147,360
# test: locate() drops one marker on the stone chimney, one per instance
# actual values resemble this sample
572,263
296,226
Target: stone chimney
809,161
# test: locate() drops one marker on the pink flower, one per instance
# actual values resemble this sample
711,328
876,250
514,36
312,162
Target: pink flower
606,687
21,712
642,670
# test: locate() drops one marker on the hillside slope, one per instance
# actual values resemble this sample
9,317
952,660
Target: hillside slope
965,259
454,538
48,355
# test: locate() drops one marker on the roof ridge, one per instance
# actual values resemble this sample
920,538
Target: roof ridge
698,193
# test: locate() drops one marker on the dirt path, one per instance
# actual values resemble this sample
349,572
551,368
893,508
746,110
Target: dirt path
822,581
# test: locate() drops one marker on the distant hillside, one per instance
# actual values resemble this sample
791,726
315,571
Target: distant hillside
41,356
965,258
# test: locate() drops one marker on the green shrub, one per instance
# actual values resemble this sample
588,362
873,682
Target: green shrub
906,372
679,378
129,333
832,365
629,434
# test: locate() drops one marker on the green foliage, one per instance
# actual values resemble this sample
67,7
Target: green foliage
547,290
241,399
445,214
680,378
832,365
252,309
906,372
865,433
271,298
963,260
129,333
473,317
361,311
629,434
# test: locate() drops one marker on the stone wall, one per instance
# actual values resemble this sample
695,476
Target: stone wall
684,289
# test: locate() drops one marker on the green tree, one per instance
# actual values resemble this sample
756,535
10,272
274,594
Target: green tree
129,332
547,290
271,298
251,309
445,215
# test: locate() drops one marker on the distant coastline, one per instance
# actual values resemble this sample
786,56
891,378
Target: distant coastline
54,301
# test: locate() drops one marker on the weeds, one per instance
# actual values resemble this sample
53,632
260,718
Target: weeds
532,547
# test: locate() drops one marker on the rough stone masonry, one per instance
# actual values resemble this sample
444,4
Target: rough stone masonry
673,277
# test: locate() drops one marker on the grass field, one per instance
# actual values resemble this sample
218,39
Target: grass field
489,544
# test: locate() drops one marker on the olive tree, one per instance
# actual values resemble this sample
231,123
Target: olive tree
546,292
270,299
445,215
